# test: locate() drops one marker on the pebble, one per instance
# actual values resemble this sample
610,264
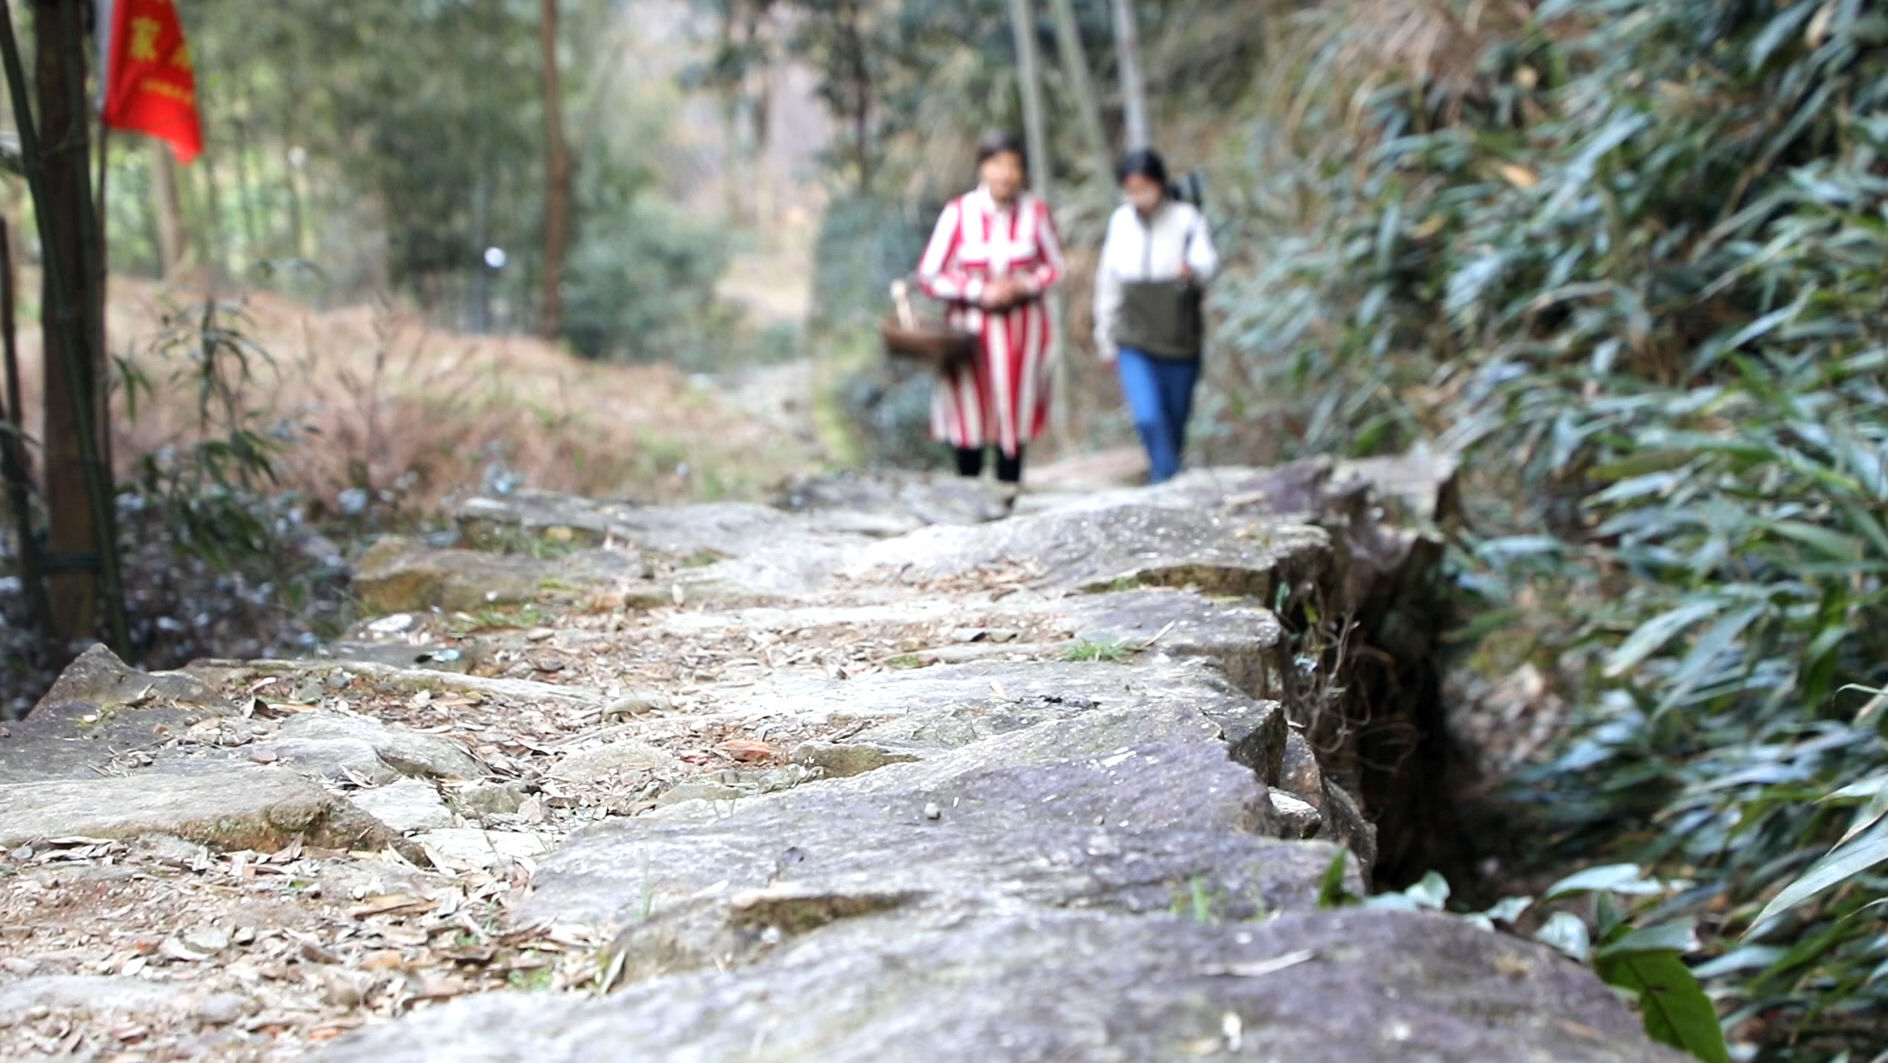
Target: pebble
392,625
636,704
532,810
931,811
223,1009
342,993
209,939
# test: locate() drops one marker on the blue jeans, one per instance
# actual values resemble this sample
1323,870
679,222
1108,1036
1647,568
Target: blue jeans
1160,395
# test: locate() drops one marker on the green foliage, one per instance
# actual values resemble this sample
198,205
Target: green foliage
1331,891
1629,257
354,149
641,285
211,483
1634,954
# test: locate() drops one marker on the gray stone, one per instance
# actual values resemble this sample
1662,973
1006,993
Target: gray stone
1299,771
933,709
483,799
405,806
1345,823
91,994
727,529
1112,549
343,748
101,709
699,790
615,762
1420,486
1356,986
234,808
222,1009
846,759
385,679
892,503
1126,828
1298,818
470,847
638,703
400,575
1243,637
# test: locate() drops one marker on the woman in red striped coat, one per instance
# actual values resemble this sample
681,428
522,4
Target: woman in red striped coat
994,253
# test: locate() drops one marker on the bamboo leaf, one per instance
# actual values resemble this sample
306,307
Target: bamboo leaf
1844,862
1655,633
1672,1003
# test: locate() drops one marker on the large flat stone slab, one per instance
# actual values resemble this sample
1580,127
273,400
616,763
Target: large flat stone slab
1037,984
1111,549
930,710
729,529
101,709
1241,636
236,808
357,749
1005,820
400,575
307,680
891,503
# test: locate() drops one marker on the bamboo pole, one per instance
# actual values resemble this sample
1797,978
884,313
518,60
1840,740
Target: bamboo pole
13,449
1042,181
1127,46
63,313
1068,37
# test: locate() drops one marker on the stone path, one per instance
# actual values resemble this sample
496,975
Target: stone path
867,775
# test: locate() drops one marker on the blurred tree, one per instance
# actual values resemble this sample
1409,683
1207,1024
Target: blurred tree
557,178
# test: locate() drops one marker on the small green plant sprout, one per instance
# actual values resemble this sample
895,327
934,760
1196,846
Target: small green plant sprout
1332,892
1109,650
533,974
1203,901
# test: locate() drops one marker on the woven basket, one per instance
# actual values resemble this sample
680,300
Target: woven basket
934,343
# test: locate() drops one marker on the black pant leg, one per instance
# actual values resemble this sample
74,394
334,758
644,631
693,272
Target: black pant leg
969,461
1009,467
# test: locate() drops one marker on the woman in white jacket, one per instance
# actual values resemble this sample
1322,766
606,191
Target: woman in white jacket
1156,259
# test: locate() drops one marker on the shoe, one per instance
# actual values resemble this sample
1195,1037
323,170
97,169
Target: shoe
1007,494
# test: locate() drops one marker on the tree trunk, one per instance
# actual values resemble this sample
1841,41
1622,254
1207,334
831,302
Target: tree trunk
557,179
1127,47
861,90
168,208
215,240
760,124
13,458
1068,34
1042,182
728,89
253,248
72,373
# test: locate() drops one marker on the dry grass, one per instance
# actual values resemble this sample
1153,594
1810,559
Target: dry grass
373,398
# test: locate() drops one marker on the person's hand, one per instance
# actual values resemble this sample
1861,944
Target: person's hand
999,294
1186,272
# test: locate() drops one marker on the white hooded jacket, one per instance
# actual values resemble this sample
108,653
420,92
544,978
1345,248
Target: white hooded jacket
1153,248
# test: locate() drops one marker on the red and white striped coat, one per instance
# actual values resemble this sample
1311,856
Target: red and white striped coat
1003,396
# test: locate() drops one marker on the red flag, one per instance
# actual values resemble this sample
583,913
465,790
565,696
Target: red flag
150,84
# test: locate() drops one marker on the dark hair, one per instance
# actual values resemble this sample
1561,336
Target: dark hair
1142,162
1001,143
